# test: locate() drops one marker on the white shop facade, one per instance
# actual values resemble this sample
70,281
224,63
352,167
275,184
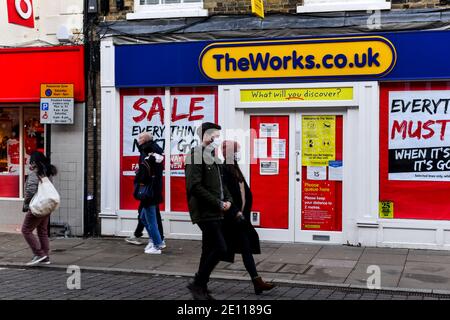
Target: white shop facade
343,142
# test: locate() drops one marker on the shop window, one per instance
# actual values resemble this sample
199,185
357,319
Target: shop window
19,128
143,110
190,108
154,9
415,151
342,5
33,135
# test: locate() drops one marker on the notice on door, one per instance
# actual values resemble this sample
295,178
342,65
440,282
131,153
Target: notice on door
268,167
269,130
279,148
260,148
318,205
319,140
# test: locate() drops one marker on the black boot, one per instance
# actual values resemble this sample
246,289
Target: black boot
198,292
261,286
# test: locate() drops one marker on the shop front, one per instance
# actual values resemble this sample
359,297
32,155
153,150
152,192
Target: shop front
22,130
344,138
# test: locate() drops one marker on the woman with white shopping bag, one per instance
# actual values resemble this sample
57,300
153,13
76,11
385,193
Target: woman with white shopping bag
41,199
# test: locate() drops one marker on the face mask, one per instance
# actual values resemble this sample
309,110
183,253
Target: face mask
237,156
216,142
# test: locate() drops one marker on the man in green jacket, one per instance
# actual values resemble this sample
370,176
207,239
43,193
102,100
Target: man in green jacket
208,200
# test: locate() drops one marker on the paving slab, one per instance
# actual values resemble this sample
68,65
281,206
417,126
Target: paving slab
427,268
390,275
269,266
139,263
340,252
382,259
323,278
429,252
426,275
295,268
333,263
428,258
291,258
409,280
237,265
231,274
271,276
295,249
386,250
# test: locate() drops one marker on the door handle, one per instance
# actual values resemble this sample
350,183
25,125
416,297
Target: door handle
297,162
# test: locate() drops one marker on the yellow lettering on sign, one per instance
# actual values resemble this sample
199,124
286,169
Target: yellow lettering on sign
299,58
258,8
386,209
57,91
301,94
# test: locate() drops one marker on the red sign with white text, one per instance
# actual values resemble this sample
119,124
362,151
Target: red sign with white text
21,12
143,110
318,205
414,194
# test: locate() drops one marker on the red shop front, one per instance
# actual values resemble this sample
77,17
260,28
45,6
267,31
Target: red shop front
21,132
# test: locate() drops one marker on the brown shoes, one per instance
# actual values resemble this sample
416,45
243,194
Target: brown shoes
261,286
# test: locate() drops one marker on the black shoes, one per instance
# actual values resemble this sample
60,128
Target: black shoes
199,292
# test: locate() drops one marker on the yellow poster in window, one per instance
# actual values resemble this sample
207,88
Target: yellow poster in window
318,140
386,209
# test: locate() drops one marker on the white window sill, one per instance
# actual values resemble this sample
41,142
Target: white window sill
344,6
169,13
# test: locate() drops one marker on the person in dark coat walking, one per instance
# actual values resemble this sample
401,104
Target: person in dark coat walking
240,235
208,201
143,140
150,174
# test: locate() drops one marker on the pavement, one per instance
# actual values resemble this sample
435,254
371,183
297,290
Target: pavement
55,284
338,266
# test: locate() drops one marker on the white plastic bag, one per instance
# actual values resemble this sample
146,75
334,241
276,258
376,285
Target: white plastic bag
46,200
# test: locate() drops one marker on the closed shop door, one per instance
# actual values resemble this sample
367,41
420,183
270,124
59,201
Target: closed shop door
296,176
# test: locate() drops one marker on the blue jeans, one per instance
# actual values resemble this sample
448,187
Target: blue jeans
148,218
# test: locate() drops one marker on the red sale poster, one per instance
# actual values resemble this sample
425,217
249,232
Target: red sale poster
143,110
318,205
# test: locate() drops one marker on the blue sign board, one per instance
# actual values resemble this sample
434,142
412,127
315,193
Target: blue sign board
417,55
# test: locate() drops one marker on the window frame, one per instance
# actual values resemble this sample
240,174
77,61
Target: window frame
22,150
170,10
343,5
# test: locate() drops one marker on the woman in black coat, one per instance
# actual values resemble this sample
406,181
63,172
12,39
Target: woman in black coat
150,174
240,235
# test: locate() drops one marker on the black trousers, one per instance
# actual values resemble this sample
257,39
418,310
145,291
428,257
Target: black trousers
140,227
247,256
213,248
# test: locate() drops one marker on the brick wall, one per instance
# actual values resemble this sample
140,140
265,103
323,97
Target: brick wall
417,4
244,6
271,6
